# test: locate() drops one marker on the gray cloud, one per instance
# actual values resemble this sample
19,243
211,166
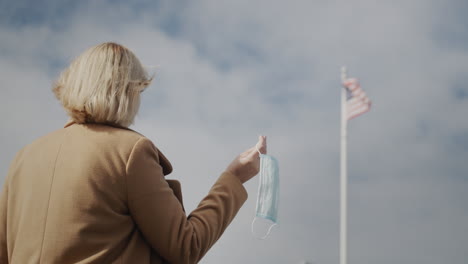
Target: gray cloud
228,71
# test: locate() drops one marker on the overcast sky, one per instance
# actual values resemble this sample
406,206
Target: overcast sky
227,71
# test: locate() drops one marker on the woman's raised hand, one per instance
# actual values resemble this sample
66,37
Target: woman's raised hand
247,164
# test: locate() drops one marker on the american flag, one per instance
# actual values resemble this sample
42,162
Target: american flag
357,102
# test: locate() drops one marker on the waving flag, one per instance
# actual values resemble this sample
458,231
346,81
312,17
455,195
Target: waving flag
357,102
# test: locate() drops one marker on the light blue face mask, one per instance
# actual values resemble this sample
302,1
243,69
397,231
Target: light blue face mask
268,192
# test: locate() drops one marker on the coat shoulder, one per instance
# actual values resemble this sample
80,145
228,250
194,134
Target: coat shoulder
94,138
116,137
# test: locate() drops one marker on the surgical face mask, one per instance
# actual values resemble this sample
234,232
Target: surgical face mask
268,193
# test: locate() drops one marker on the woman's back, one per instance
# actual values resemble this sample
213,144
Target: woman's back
67,198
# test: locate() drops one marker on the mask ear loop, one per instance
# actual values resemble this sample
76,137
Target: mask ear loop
267,234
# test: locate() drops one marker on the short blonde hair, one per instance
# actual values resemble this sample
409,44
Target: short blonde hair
102,85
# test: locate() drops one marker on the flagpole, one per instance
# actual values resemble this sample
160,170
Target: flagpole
343,175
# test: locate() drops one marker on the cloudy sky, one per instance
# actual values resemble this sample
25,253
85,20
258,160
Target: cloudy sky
227,71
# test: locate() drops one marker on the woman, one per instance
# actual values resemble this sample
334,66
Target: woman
95,192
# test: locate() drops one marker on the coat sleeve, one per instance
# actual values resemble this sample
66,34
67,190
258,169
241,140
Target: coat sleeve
3,224
176,237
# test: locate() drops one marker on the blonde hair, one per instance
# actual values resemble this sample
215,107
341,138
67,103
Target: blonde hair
102,85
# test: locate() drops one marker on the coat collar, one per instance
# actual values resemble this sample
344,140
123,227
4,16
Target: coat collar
163,161
69,123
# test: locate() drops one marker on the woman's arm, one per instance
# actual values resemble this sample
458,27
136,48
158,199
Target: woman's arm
3,224
161,218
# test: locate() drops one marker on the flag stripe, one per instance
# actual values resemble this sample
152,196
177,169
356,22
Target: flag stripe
357,108
358,114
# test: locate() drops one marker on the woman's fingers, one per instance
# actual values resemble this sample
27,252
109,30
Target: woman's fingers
261,144
249,152
263,148
246,165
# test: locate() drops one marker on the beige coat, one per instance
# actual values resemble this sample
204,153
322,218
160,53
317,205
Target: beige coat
92,193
